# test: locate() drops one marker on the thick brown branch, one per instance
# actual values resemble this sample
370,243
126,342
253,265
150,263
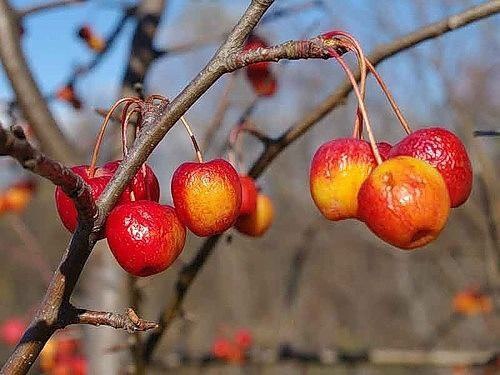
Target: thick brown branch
46,6
316,48
14,144
28,95
128,321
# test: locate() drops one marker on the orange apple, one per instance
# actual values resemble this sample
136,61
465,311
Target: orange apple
207,196
405,202
338,169
258,222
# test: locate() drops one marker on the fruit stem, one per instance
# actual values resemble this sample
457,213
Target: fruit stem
390,98
353,45
100,137
125,121
360,103
193,139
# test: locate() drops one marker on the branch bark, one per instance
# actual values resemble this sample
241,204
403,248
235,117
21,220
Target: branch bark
28,95
14,144
128,321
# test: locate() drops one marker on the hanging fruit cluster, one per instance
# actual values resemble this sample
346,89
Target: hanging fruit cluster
145,236
403,193
260,75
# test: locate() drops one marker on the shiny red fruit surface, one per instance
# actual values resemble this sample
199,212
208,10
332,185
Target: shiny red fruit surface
145,185
444,151
64,204
248,195
145,237
207,196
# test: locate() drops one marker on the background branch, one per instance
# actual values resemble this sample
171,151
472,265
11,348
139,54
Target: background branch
46,6
29,97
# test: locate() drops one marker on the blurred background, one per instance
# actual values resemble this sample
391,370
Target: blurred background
308,285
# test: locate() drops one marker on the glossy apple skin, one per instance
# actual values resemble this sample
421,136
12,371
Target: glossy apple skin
145,237
338,169
444,151
11,331
207,196
248,195
405,202
384,149
145,184
259,221
65,206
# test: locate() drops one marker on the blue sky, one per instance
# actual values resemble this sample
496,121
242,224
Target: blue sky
53,49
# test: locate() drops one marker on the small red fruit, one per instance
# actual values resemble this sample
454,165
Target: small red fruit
405,202
11,331
243,339
207,196
64,204
145,237
222,348
248,195
145,185
259,221
263,84
384,148
338,169
444,151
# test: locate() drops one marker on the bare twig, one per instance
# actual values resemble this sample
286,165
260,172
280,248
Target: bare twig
46,6
14,144
274,148
128,321
28,95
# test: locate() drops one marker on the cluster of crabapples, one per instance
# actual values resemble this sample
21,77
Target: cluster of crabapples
145,236
404,192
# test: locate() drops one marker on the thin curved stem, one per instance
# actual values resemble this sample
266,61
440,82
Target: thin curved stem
362,107
100,137
193,139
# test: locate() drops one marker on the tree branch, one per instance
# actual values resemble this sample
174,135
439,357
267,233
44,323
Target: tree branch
273,149
46,6
27,93
128,321
14,144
